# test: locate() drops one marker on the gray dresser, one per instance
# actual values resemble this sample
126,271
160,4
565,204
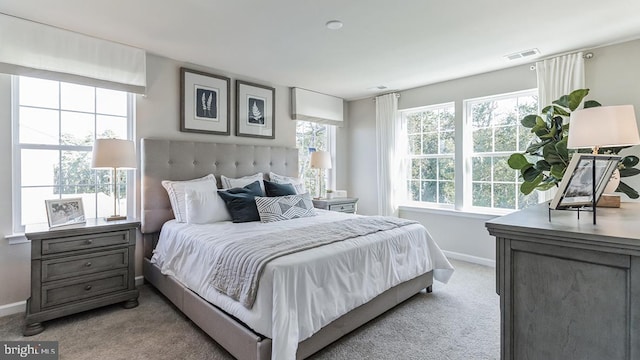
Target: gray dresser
569,289
78,268
346,205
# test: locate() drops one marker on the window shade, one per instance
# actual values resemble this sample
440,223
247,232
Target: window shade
38,50
320,108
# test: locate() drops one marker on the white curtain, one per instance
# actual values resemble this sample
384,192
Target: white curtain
556,77
391,147
33,49
559,76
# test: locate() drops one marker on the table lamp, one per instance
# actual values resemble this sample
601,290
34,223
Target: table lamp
604,126
320,160
114,154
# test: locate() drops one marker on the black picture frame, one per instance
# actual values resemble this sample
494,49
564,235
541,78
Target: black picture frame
205,103
255,110
577,186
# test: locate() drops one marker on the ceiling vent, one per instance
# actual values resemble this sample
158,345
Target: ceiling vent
522,54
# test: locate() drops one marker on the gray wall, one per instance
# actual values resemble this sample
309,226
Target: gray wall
157,115
611,75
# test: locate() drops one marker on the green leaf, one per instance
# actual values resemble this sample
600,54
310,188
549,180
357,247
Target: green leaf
530,121
530,173
561,149
557,170
534,147
630,161
575,98
624,188
560,111
563,101
542,165
629,172
550,154
528,186
591,103
517,161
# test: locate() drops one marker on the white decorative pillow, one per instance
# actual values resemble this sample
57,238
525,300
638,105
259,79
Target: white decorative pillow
230,183
297,183
204,206
288,207
176,191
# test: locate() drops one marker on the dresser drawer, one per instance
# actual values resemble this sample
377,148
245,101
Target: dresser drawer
62,268
348,208
65,291
82,242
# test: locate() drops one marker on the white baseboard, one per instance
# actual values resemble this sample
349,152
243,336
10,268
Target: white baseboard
20,306
15,308
470,258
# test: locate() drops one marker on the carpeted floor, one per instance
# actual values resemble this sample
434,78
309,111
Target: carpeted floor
460,320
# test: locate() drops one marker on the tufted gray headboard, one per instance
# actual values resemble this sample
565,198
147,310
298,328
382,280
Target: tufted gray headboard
183,160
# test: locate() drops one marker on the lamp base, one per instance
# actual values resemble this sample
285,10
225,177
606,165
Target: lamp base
115,217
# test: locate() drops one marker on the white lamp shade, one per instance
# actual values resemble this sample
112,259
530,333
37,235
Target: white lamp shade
113,153
603,126
320,160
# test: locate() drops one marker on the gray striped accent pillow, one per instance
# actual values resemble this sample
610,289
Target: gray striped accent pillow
288,207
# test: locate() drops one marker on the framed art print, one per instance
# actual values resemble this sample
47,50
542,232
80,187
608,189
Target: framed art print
65,211
255,110
204,102
577,186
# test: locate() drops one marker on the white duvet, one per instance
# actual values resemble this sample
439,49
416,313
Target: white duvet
302,292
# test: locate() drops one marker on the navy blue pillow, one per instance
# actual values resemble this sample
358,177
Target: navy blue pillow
241,202
272,189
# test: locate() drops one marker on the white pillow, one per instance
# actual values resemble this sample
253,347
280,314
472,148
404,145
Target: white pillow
230,183
176,190
297,183
204,206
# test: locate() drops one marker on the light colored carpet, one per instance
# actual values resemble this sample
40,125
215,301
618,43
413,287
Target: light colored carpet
460,320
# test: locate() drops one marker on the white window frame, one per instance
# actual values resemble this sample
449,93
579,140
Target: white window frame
468,152
330,174
404,113
16,166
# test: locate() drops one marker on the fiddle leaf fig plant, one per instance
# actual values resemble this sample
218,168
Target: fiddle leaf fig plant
544,162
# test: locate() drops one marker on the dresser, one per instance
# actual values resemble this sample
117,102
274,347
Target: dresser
78,268
569,289
346,205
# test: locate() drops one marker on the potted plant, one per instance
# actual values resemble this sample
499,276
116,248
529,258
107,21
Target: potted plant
329,194
543,163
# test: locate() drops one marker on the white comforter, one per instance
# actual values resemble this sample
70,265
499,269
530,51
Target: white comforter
300,293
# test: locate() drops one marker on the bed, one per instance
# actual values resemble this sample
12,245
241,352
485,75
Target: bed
282,324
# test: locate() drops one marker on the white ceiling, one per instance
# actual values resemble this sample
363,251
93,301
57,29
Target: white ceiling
398,44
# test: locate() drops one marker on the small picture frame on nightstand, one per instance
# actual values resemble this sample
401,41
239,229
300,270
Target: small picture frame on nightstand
62,212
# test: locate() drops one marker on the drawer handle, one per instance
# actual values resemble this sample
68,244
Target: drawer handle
88,264
89,242
88,287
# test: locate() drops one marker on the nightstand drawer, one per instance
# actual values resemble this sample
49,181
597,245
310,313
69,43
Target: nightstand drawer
62,292
62,268
73,243
349,208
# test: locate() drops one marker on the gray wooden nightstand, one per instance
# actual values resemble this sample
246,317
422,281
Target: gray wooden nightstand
78,268
346,205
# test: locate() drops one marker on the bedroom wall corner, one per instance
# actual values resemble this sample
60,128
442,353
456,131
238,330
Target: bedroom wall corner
15,260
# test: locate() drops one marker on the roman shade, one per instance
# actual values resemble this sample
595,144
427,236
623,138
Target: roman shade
43,51
316,107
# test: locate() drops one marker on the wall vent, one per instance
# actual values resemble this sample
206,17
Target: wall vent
522,54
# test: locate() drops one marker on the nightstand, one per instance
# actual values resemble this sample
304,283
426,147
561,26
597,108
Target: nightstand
346,205
80,267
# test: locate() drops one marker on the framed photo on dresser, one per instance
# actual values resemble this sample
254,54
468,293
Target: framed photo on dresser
577,186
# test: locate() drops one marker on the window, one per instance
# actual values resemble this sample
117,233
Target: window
54,126
431,138
496,133
489,131
311,136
